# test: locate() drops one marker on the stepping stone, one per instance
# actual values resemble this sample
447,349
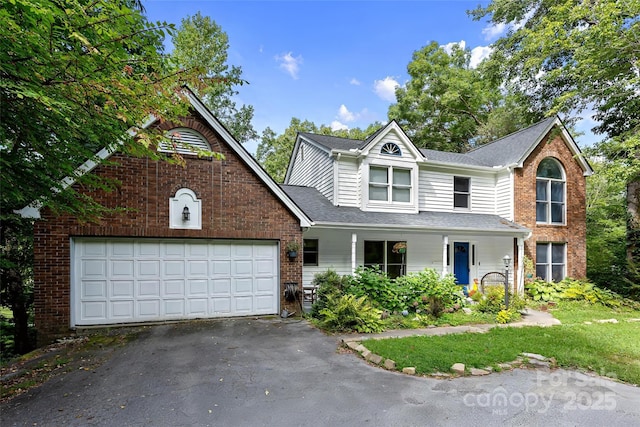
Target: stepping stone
458,368
409,370
607,321
534,356
478,372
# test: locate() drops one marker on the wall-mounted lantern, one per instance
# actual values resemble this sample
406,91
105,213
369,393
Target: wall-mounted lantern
186,214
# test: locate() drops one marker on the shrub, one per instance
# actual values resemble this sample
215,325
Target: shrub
377,287
542,291
576,290
348,313
427,291
330,284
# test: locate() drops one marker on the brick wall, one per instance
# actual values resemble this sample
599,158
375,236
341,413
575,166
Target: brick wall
236,204
573,233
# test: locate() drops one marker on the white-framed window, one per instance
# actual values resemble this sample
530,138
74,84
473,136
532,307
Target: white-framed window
551,261
550,192
391,149
310,251
390,256
389,184
461,192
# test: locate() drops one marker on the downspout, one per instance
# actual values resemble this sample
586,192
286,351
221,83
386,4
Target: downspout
520,284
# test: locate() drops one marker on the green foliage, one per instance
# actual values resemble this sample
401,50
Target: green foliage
201,45
330,287
471,108
542,291
427,291
348,313
377,287
493,302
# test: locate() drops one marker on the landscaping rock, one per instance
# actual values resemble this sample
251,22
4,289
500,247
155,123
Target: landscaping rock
374,358
360,348
409,371
466,310
588,323
633,320
505,365
478,372
539,363
440,375
607,321
353,345
534,356
390,364
458,368
366,353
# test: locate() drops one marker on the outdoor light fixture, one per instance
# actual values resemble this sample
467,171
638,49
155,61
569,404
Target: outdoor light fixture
185,214
507,261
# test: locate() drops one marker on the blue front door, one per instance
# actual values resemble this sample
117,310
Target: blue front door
461,262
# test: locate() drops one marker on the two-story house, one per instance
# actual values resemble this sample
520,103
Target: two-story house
385,202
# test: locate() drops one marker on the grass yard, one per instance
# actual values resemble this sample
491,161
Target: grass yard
608,349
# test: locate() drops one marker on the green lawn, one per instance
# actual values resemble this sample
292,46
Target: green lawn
608,349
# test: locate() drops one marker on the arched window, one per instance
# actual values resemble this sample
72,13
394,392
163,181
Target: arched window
184,141
391,149
550,192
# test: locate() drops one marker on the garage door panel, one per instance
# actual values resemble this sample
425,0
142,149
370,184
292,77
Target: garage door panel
122,268
121,289
221,287
128,280
149,268
147,289
173,288
121,310
174,308
93,268
148,309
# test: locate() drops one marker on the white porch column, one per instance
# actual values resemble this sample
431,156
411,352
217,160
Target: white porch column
520,285
354,240
445,242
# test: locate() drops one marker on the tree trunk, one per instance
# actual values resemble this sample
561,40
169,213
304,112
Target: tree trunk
19,306
633,223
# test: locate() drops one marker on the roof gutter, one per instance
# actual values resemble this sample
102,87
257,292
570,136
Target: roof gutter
523,232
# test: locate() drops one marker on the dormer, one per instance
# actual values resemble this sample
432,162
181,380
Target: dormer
389,171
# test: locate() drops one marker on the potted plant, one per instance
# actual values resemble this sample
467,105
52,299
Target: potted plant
292,248
400,248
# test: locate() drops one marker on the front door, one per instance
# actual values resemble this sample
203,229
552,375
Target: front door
461,262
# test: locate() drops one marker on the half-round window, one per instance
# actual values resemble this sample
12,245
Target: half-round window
184,141
391,149
550,192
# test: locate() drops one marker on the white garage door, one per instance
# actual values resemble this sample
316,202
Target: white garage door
123,280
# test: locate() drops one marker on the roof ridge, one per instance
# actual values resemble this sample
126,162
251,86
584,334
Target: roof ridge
512,134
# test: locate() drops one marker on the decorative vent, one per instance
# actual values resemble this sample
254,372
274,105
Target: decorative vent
184,141
391,149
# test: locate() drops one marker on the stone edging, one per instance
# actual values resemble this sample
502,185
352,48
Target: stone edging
525,360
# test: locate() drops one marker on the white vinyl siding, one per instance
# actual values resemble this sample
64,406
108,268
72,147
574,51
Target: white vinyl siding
348,180
435,191
504,195
483,199
313,168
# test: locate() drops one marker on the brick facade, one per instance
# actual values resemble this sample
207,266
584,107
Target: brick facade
236,204
574,231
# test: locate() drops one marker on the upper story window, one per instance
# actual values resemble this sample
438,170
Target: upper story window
391,149
461,192
388,183
184,141
550,192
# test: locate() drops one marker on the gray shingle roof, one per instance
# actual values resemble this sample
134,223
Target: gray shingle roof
334,142
501,152
322,211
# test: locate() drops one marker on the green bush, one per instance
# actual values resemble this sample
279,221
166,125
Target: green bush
429,292
493,302
575,290
377,287
348,313
330,284
542,291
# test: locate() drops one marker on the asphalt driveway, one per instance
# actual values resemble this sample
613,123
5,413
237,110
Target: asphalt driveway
285,373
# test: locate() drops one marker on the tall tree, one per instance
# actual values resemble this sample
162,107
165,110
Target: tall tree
74,77
449,105
274,151
201,45
573,56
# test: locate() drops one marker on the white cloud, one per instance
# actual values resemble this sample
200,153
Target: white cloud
449,46
355,82
493,31
289,63
336,125
386,88
478,54
345,115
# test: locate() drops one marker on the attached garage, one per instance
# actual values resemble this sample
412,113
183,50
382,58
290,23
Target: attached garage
141,280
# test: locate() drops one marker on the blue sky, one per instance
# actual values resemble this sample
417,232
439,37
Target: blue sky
331,62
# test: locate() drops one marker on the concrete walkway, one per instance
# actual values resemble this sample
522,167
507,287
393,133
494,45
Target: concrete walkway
531,318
